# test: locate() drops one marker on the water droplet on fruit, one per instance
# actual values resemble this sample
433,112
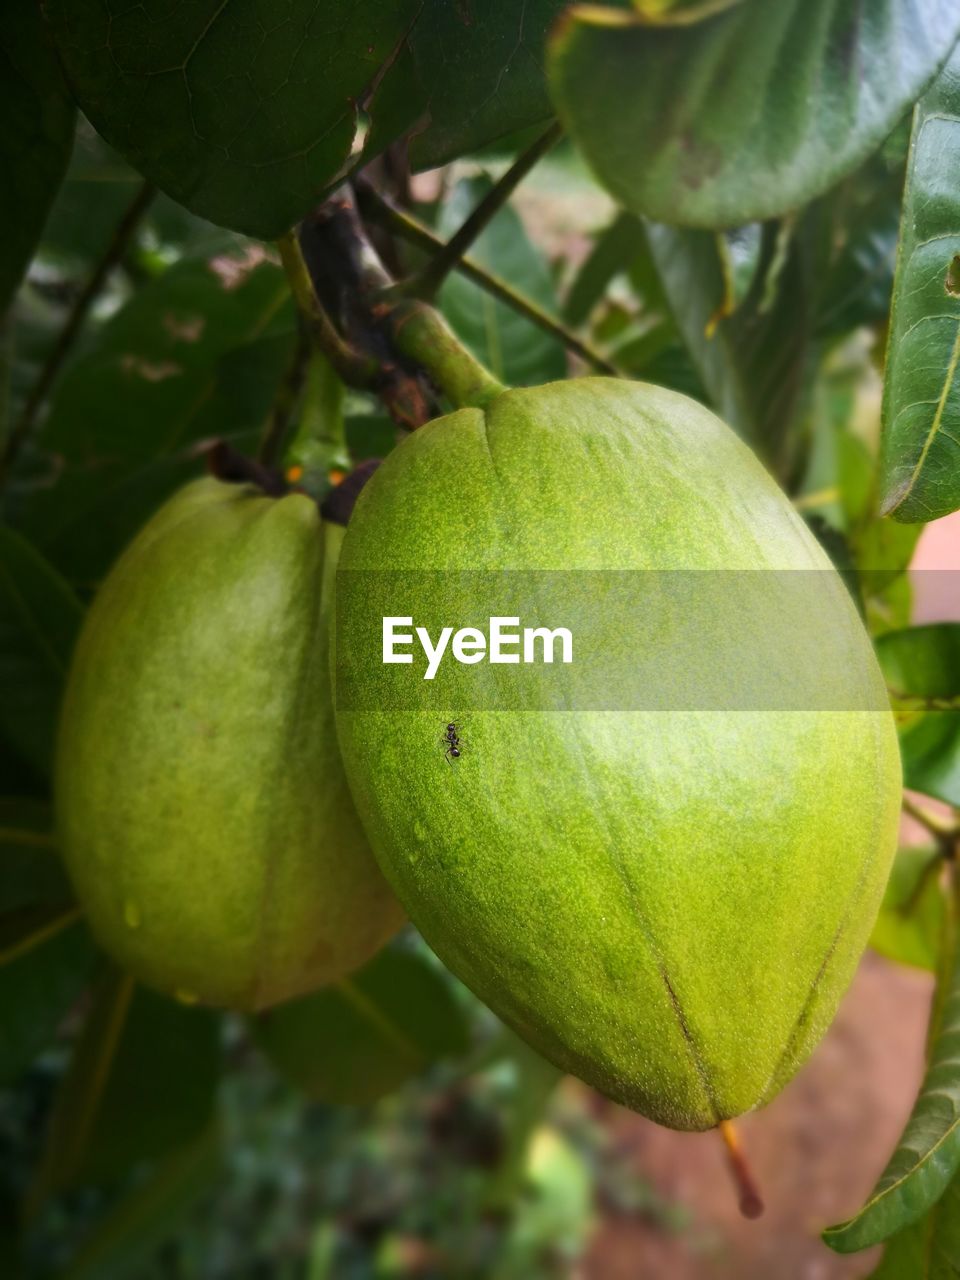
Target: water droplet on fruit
186,997
131,914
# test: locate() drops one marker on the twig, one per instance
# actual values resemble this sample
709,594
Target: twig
424,284
350,281
354,367
379,210
940,828
409,341
288,394
113,254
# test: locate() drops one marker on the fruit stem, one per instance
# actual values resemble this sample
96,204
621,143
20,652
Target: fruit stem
751,1204
423,335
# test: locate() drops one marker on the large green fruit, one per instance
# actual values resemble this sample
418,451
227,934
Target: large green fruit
202,806
667,902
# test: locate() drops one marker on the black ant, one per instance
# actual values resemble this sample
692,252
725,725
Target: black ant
452,739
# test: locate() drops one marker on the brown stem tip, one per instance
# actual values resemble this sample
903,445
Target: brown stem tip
751,1205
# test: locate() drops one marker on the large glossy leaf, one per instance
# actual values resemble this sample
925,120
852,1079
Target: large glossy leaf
752,362
920,458
45,953
195,354
922,668
36,132
362,1038
748,114
515,350
141,1083
466,75
241,113
247,122
928,1153
39,620
909,928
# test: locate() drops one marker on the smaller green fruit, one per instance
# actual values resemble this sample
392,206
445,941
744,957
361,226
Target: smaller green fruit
203,810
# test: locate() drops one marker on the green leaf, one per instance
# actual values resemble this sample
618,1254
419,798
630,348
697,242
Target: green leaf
36,991
922,661
45,953
248,125
615,249
39,621
928,1250
909,928
145,1216
31,870
751,358
930,747
922,668
920,456
197,353
857,223
34,321
242,119
36,133
467,77
95,194
362,1038
928,1153
512,348
746,115
142,1082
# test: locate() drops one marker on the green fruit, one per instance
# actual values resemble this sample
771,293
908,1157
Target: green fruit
202,807
668,903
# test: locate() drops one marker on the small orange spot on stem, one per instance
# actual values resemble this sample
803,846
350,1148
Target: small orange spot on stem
336,475
751,1205
294,474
